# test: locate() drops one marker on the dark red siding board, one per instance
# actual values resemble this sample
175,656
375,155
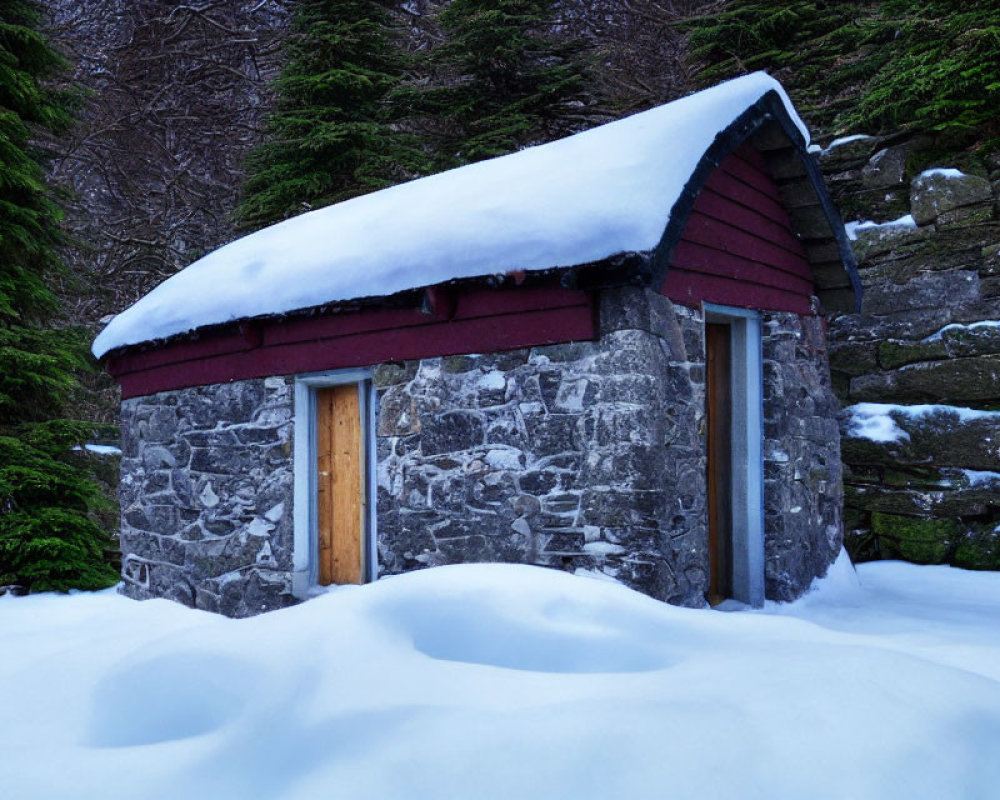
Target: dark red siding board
729,239
346,323
475,304
693,288
722,209
693,257
745,170
768,206
338,350
738,247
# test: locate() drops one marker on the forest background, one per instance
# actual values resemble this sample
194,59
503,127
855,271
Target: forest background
135,136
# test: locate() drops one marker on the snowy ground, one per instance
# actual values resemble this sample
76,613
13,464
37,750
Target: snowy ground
510,682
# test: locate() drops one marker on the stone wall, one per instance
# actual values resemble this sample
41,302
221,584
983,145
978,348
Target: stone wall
591,456
206,496
587,457
582,456
803,491
924,350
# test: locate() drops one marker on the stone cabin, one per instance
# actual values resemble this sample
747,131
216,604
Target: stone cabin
605,354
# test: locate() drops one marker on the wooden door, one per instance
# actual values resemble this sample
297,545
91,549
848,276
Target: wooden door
719,413
340,486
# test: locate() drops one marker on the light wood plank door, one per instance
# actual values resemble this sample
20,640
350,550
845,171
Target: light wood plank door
340,506
718,408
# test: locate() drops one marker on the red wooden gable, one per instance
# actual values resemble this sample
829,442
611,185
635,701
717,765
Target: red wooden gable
738,247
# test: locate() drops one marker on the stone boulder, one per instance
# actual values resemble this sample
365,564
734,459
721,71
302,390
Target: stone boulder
937,191
956,380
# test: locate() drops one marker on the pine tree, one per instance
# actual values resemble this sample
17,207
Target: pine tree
332,135
503,81
48,539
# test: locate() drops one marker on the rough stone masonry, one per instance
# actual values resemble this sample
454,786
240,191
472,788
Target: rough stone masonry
587,456
925,348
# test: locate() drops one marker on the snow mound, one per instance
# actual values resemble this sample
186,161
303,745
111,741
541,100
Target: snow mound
525,619
603,192
494,681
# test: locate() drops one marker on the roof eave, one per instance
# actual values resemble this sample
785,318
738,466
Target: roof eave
769,126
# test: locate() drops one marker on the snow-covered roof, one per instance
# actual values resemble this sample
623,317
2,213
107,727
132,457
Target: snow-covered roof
606,191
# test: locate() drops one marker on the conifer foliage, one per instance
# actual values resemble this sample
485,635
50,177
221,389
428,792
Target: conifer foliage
863,65
507,80
48,539
332,135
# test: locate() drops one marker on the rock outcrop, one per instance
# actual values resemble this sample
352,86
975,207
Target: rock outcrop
922,356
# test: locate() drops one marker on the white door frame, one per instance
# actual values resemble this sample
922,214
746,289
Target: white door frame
305,549
747,468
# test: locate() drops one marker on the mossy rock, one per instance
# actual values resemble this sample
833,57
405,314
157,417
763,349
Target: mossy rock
972,502
921,540
924,290
915,478
392,373
962,381
971,340
853,358
864,452
872,242
938,192
903,502
841,385
892,354
862,474
861,545
849,154
964,217
979,548
459,364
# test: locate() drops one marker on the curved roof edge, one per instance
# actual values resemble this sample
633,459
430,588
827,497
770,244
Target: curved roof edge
771,111
622,191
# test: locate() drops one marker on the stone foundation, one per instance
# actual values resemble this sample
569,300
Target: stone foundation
587,457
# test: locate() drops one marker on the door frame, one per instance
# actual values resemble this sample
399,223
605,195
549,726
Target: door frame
305,549
747,464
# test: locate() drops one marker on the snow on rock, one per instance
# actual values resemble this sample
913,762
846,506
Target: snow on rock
585,198
100,449
603,548
960,327
493,380
873,421
504,458
842,140
499,681
978,477
941,172
930,409
904,222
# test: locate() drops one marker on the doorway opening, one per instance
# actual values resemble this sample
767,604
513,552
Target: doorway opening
734,469
334,521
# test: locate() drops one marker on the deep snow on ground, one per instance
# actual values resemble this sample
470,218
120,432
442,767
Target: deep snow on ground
495,681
